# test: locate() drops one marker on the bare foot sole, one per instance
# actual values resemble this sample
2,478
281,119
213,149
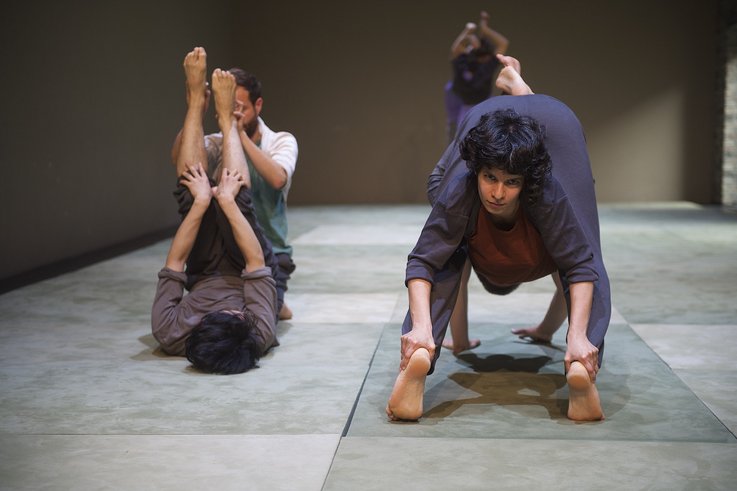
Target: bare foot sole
223,85
285,313
583,398
450,345
510,82
405,403
195,68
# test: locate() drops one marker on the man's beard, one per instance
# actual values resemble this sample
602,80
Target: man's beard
251,127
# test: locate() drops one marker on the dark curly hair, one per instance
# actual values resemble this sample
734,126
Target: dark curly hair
223,343
248,81
505,140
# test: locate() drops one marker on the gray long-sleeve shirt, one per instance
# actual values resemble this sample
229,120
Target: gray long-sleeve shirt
174,315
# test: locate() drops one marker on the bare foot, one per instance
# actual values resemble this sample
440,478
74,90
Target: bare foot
583,398
405,403
285,313
223,86
510,61
533,334
195,69
510,80
460,347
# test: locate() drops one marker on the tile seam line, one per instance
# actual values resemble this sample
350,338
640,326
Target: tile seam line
353,410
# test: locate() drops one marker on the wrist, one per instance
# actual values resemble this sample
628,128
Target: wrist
225,201
576,334
201,201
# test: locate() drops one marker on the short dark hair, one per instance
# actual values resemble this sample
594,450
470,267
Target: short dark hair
511,142
248,81
223,343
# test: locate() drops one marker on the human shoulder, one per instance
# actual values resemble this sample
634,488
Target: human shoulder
270,137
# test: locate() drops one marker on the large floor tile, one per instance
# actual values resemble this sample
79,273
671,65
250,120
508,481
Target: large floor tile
348,308
507,388
379,234
348,269
717,390
708,347
144,462
306,385
480,463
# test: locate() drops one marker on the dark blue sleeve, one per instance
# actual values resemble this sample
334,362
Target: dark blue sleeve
444,229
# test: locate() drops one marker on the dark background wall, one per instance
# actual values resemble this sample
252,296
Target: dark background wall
92,96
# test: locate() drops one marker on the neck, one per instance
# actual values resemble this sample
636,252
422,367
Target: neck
505,222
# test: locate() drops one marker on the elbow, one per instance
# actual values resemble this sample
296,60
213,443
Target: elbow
278,180
169,342
279,183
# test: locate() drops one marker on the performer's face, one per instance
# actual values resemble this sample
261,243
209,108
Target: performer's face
499,192
247,110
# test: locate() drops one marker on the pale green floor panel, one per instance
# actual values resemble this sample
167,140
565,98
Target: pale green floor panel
102,375
87,402
684,256
717,390
508,388
712,347
704,358
78,358
355,269
428,464
172,462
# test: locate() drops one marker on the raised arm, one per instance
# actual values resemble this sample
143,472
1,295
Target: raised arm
500,42
421,334
465,38
195,179
268,165
579,347
225,193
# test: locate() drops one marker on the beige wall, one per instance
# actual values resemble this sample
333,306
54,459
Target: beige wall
93,95
362,89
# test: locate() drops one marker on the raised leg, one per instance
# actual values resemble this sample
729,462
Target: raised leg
234,158
510,79
190,147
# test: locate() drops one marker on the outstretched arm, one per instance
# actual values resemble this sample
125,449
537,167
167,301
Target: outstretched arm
465,38
421,334
500,42
195,179
225,193
579,347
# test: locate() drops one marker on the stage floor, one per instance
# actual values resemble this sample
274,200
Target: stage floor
88,402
